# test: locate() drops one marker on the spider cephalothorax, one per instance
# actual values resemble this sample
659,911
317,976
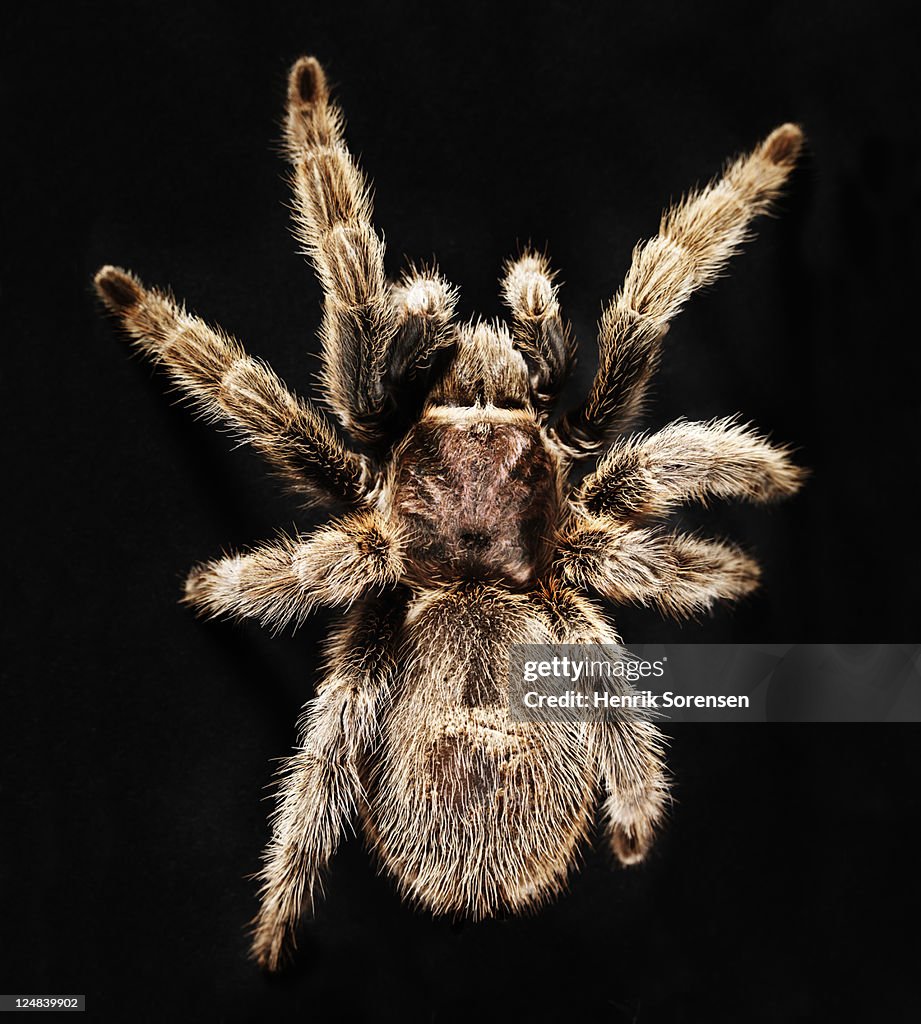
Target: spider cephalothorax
462,536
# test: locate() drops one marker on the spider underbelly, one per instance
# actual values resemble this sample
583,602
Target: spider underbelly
477,496
471,812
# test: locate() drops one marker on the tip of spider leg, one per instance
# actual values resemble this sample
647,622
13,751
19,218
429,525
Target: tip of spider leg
117,288
307,83
629,849
783,145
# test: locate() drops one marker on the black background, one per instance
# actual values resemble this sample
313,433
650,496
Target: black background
138,743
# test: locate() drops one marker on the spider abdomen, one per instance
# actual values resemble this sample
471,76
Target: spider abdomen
474,813
473,817
477,493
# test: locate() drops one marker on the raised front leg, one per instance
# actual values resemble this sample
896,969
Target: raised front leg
695,242
332,207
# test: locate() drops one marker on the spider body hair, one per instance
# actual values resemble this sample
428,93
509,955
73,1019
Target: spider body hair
463,535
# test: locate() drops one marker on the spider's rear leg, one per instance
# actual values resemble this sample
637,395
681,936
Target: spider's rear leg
214,372
632,761
320,785
332,221
695,242
540,333
628,749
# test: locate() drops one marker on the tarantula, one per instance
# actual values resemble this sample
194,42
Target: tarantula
461,536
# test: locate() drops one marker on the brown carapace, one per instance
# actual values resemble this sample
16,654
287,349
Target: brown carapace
459,534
